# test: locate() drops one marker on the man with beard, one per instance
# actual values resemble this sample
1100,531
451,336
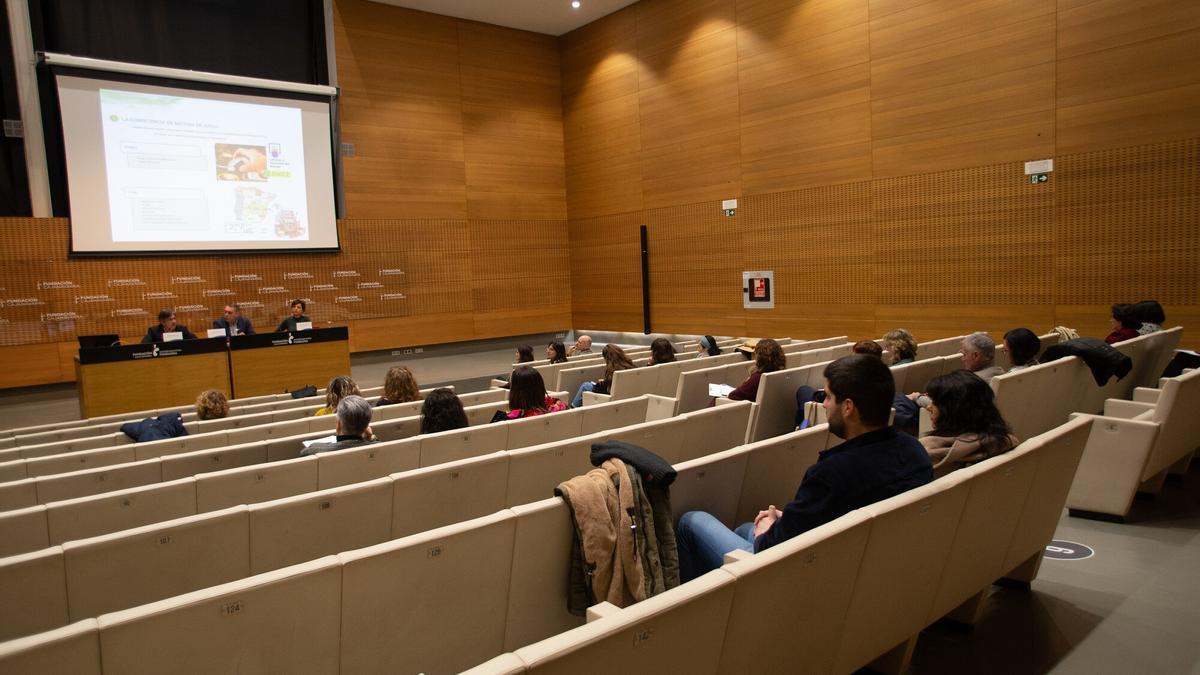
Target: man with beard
875,462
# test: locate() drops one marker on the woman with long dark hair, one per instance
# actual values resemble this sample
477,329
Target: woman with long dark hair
967,426
556,352
615,359
441,411
661,351
527,395
1125,324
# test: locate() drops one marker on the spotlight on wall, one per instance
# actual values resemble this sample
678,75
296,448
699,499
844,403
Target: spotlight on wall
575,4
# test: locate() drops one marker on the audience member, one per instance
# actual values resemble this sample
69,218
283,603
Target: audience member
442,411
399,386
615,359
556,352
967,426
524,354
1151,315
875,462
166,324
233,322
339,388
353,426
661,351
212,405
901,345
868,347
979,354
768,358
289,324
527,395
1022,346
1125,324
708,346
583,345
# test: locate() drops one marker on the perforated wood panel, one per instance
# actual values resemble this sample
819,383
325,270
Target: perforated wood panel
1129,225
971,236
387,269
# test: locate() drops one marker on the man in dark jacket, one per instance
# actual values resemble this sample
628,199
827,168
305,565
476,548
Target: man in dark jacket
233,322
874,463
166,324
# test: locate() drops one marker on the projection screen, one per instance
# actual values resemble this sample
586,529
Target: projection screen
174,169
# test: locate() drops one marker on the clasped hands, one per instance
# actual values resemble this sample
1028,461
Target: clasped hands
765,519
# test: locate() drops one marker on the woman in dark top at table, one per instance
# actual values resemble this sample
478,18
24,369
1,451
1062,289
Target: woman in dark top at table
768,357
289,324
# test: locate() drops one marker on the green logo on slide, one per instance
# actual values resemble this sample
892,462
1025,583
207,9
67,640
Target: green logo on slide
113,118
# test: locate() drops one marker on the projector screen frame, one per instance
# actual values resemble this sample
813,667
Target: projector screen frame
51,66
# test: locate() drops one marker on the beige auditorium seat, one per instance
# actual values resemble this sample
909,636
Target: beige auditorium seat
73,649
1126,454
537,595
18,494
436,496
910,539
23,530
366,462
679,631
1058,456
775,468
96,481
446,612
121,510
449,446
286,621
118,571
702,485
34,593
252,484
997,491
802,587
294,529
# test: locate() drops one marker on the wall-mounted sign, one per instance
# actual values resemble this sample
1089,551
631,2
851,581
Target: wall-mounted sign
758,290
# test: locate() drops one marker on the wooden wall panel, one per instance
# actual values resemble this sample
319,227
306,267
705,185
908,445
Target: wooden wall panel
601,118
512,113
879,152
688,101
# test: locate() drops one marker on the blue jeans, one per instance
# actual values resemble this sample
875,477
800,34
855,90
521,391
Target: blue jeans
578,400
703,542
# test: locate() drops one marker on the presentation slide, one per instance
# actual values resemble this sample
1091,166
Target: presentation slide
160,169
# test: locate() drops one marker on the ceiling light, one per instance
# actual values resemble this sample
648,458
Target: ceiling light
575,4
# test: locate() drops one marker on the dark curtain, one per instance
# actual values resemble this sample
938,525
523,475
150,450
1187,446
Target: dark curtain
14,180
273,39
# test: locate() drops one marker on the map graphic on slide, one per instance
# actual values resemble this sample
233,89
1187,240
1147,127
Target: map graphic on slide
183,169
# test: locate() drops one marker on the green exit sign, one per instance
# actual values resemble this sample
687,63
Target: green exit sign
1038,178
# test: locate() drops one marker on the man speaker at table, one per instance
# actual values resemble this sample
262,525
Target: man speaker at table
233,322
166,324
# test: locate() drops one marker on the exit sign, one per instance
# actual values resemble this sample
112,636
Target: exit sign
1038,178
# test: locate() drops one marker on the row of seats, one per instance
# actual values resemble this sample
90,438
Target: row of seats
205,487
88,577
75,440
670,380
188,415
855,592
453,597
1135,444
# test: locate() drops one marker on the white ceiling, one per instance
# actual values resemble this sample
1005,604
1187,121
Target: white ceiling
553,17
